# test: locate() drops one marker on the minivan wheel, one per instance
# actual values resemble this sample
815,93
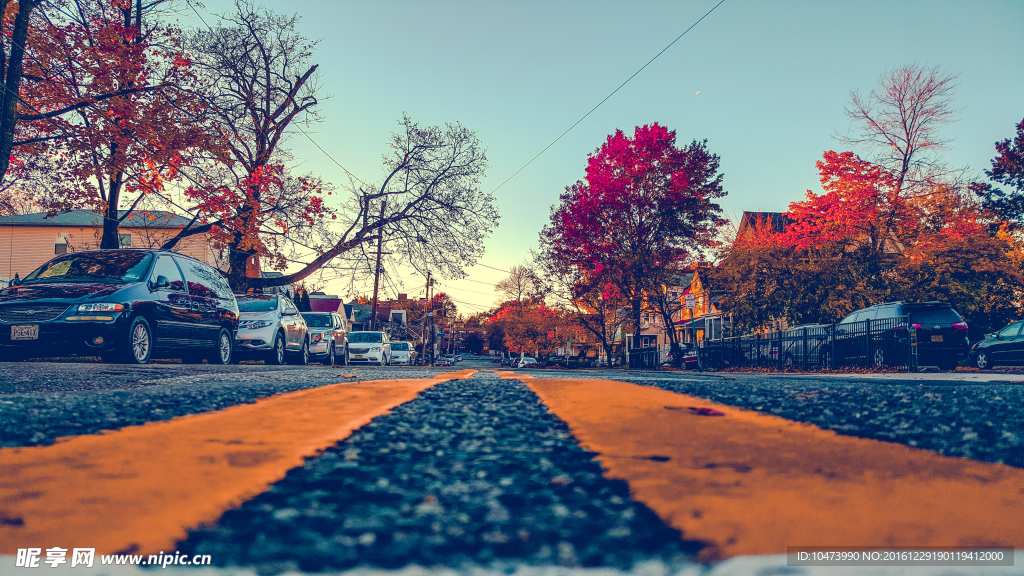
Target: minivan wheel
982,361
138,345
276,356
221,355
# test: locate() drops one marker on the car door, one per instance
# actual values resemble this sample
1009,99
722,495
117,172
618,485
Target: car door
173,312
290,320
1007,349
202,300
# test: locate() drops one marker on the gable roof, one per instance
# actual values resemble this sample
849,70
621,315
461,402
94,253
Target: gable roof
86,218
777,220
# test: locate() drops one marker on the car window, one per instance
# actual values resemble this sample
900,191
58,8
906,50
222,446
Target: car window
930,316
318,320
201,280
365,337
400,346
868,314
256,303
1011,330
166,267
850,318
886,312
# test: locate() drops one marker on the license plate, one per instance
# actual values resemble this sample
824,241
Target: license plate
937,338
357,356
25,332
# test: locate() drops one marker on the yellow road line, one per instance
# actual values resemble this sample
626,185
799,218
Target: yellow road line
749,483
141,488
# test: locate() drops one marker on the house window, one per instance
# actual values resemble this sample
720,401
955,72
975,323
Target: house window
60,245
125,240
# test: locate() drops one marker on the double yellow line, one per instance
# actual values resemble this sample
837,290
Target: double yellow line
742,482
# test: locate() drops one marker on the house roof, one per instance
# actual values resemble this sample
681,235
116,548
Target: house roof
85,218
777,220
325,304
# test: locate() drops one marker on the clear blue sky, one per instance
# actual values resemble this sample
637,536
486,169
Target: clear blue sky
774,79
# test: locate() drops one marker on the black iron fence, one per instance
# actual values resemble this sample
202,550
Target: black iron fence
890,342
644,358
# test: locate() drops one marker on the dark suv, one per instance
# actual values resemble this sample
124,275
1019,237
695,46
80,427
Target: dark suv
123,305
941,333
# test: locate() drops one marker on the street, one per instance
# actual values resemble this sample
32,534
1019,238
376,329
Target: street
280,469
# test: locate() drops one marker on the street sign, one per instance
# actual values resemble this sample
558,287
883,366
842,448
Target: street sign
691,301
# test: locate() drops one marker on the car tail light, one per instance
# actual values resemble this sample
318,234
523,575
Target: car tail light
917,325
960,325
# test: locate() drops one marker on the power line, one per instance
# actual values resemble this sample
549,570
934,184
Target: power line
606,97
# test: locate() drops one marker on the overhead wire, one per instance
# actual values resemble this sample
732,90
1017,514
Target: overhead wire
553,142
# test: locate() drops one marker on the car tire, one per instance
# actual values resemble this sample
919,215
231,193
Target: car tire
344,357
982,360
224,350
878,358
948,365
332,358
276,355
301,358
137,347
825,359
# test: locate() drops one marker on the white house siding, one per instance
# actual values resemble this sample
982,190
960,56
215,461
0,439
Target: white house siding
25,248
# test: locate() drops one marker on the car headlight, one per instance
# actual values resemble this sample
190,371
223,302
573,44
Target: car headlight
254,324
101,307
317,337
376,349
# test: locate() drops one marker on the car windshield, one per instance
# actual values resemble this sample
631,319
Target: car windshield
116,267
400,346
318,320
365,337
257,303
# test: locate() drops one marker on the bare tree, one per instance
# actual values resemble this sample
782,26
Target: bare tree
523,283
900,123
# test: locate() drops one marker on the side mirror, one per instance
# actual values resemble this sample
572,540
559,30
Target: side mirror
291,312
161,282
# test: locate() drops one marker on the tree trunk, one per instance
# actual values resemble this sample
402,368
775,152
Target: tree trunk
12,81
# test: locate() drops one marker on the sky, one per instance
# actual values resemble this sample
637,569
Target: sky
765,83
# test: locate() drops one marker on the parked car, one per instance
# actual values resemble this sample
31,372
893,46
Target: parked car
444,361
328,337
941,334
803,345
369,347
527,362
496,360
1003,347
403,353
123,305
271,329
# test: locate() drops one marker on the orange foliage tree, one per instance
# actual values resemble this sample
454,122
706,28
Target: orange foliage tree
109,152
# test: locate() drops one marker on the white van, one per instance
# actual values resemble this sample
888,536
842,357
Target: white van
403,353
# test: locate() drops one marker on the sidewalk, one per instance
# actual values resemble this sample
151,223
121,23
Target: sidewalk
966,377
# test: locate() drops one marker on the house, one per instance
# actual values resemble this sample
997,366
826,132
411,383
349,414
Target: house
28,241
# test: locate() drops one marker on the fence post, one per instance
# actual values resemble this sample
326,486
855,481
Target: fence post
806,350
831,353
868,360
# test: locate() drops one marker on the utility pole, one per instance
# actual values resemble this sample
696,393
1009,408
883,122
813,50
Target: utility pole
376,271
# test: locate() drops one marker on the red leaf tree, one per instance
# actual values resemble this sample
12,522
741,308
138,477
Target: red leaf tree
645,207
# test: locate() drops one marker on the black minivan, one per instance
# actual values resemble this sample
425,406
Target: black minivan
941,333
124,305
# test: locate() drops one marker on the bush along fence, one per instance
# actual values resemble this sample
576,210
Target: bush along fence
890,342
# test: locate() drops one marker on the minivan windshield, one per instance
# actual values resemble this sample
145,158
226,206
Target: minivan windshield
400,346
118,266
256,303
365,337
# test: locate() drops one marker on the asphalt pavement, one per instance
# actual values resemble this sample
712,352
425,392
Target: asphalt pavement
477,474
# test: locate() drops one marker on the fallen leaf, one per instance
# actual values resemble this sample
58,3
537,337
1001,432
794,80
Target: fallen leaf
706,411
